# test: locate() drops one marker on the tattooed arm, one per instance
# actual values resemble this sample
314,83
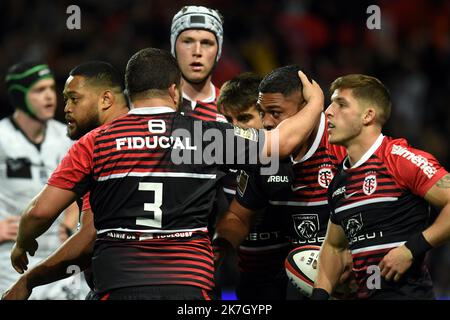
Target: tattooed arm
398,260
439,195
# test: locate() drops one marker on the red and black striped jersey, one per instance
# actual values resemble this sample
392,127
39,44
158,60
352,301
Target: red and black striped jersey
86,205
295,199
305,206
152,175
379,203
205,110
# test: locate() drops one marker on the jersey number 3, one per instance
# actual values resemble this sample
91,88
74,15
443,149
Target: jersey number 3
155,207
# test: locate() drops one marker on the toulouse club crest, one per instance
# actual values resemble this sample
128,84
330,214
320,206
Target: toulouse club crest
324,177
369,184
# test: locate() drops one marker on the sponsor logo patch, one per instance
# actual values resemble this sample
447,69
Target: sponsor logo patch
306,225
338,192
249,134
353,225
278,179
220,118
242,181
420,161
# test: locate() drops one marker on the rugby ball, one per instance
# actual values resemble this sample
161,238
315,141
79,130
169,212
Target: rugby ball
301,268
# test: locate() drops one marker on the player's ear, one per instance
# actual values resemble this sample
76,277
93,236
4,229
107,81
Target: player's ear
175,94
107,99
369,115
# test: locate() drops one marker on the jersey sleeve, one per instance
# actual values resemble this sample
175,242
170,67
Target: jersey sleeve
234,147
75,170
334,219
86,204
413,169
248,192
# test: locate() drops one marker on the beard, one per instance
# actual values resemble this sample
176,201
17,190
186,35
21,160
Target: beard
83,127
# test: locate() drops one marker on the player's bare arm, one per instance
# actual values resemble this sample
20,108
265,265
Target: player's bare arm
439,195
77,250
231,229
235,224
295,130
37,218
398,260
70,221
332,259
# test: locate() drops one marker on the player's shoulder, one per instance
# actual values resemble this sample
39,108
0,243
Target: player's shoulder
188,121
91,136
4,121
216,89
100,130
6,124
393,150
401,149
8,132
127,119
56,126
399,153
57,132
390,146
206,124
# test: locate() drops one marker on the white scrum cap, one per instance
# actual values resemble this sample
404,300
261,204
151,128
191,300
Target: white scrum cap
197,17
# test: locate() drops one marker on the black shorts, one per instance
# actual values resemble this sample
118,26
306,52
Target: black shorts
292,293
262,286
92,295
415,284
161,292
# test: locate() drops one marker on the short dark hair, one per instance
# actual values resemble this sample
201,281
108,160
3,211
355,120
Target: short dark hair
151,69
366,88
239,93
99,73
282,80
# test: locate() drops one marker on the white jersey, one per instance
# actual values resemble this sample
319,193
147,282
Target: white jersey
24,170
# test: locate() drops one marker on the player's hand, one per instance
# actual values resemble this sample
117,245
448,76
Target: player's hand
9,228
395,263
347,286
348,268
221,247
18,291
219,256
19,258
311,89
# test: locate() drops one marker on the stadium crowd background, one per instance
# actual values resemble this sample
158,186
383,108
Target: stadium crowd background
410,53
